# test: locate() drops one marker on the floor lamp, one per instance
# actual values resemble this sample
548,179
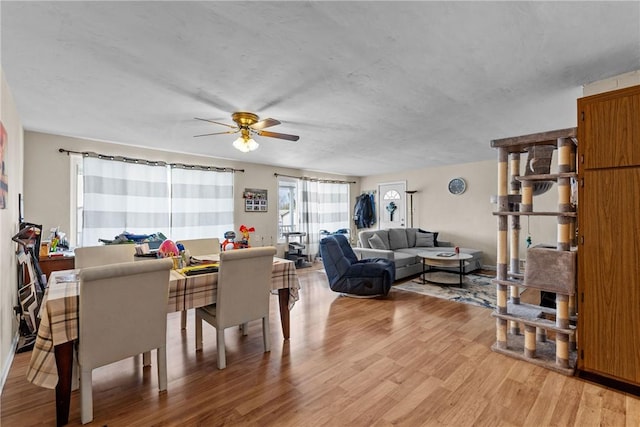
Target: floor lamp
411,193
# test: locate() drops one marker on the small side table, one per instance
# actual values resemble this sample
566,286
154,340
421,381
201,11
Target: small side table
440,260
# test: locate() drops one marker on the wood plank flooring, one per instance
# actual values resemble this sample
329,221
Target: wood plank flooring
406,360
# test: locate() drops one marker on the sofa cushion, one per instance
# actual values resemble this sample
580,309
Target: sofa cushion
411,237
376,242
403,259
435,235
425,240
364,235
398,238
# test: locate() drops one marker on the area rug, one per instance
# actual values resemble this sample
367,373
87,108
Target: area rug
476,289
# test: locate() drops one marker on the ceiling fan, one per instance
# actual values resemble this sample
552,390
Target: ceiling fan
249,124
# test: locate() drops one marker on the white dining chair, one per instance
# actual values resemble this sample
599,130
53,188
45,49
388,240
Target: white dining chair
197,247
244,284
122,313
91,256
206,246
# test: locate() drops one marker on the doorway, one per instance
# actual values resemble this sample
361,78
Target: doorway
392,205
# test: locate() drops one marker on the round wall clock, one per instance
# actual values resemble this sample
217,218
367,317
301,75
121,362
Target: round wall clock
457,186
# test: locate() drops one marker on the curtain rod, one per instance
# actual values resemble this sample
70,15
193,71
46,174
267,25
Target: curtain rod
306,178
148,162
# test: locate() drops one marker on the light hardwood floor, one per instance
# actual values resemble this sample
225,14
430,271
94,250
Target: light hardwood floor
407,360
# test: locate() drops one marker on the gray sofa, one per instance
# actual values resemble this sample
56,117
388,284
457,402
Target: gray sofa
402,246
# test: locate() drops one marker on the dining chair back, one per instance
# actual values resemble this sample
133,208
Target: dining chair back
243,295
122,313
91,256
205,246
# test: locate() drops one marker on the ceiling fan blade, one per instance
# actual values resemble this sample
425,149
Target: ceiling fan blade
278,135
217,133
218,123
266,123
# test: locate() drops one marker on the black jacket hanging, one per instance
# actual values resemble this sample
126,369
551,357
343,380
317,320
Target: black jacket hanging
363,214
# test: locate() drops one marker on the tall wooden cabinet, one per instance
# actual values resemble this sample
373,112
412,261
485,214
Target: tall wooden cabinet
609,235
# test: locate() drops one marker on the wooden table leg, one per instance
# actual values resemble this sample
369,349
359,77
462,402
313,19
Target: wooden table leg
183,319
283,297
64,364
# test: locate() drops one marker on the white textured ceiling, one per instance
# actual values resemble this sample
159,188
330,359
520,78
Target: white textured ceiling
370,87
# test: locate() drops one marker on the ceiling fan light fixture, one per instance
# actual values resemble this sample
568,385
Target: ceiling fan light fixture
245,144
248,124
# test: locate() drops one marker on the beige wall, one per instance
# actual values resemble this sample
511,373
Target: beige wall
466,220
47,181
9,220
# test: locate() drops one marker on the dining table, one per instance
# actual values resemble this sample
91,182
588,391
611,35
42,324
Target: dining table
52,358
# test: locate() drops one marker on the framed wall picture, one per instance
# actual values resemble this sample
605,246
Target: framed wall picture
255,200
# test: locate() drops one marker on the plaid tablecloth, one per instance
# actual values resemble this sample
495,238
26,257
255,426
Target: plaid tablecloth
59,311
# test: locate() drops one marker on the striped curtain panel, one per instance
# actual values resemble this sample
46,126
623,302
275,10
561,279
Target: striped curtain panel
325,206
120,196
201,203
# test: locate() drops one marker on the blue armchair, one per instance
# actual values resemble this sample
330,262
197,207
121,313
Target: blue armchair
349,275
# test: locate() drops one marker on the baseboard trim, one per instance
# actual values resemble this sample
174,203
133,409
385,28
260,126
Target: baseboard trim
609,382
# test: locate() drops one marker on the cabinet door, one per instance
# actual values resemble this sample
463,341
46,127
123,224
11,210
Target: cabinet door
609,273
608,125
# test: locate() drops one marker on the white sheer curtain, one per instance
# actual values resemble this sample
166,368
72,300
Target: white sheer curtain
120,196
325,206
201,203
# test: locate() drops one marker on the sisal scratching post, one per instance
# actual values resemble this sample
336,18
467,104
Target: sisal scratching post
501,267
529,341
514,237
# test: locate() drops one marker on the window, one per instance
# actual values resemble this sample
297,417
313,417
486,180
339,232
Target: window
76,199
288,218
116,196
201,203
325,206
311,206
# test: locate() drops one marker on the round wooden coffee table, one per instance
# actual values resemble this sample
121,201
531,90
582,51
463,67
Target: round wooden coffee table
438,260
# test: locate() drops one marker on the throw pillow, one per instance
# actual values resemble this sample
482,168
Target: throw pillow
425,240
411,237
435,236
376,242
398,238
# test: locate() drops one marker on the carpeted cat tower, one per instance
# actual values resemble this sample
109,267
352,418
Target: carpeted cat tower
549,337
